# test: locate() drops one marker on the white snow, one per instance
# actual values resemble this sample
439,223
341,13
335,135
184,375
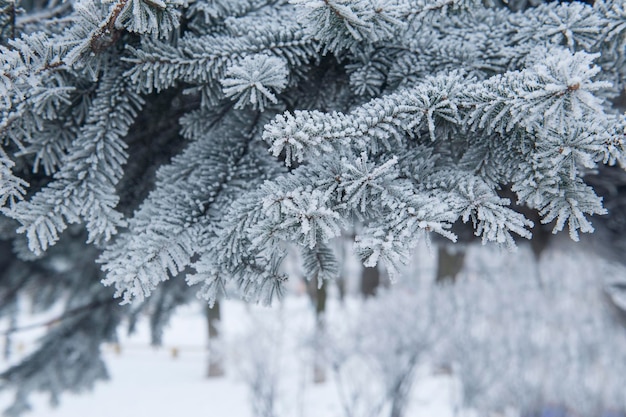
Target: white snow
170,380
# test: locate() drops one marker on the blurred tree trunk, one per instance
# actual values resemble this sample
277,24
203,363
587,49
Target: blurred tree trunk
449,263
216,366
370,280
318,295
541,235
341,279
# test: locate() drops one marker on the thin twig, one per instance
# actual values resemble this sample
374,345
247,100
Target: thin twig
107,35
66,315
44,14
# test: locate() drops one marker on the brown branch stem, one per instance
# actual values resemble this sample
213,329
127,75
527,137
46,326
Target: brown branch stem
66,315
106,35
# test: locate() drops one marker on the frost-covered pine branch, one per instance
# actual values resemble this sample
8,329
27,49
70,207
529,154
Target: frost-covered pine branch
84,187
147,125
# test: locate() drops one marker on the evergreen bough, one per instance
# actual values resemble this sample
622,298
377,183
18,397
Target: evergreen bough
142,127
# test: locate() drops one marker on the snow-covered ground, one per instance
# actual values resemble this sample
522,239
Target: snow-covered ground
170,380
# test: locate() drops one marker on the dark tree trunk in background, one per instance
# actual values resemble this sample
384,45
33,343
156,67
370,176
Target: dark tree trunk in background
341,287
370,280
541,237
318,295
341,279
216,366
620,101
449,263
542,233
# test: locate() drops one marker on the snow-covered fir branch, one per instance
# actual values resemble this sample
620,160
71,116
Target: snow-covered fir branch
146,124
84,188
550,117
